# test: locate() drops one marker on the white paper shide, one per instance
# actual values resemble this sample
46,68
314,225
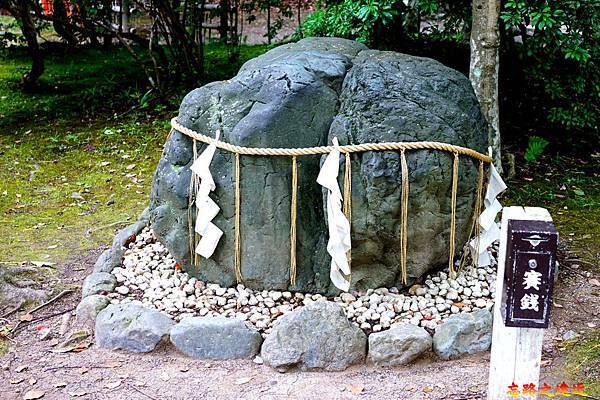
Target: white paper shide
207,209
339,227
490,231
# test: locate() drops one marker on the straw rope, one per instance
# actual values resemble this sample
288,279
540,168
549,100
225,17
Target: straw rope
478,206
238,244
196,187
404,218
347,207
294,202
348,199
475,227
190,215
451,269
307,151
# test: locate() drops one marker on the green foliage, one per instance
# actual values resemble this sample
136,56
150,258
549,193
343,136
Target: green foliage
10,33
560,51
91,82
378,21
535,148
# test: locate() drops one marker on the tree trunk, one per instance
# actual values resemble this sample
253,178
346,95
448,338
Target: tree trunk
483,71
61,23
30,34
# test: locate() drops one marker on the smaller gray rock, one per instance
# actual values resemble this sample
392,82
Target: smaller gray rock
216,338
125,234
464,333
131,327
97,283
90,306
109,259
317,336
399,345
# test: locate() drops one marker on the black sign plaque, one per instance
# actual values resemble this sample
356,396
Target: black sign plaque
529,273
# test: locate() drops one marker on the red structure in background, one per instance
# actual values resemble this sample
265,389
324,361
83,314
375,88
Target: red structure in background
48,7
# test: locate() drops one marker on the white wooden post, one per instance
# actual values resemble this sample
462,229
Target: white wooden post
516,352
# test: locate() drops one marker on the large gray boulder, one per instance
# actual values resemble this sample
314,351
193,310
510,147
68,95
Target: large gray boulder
389,96
399,345
317,336
464,333
302,95
131,327
217,338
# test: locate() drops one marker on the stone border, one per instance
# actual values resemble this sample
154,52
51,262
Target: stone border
101,280
301,338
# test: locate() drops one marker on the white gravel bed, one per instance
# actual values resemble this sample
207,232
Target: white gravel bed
150,277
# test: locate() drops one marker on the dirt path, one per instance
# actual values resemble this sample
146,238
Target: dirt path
165,374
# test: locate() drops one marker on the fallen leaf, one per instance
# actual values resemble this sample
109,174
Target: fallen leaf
113,384
594,282
16,381
427,389
77,393
459,305
21,368
73,343
25,317
33,394
356,388
242,381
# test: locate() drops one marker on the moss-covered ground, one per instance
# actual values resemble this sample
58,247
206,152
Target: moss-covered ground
71,172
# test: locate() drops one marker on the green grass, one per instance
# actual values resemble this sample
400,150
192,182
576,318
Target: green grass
85,84
72,172
583,363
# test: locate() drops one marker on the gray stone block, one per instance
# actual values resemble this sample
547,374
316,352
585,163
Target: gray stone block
217,338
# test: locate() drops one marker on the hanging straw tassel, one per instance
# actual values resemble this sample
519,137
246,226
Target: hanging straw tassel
453,217
475,230
478,206
238,244
196,187
404,219
193,190
190,214
347,208
293,221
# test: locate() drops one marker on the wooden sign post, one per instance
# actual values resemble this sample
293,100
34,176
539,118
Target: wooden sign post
526,267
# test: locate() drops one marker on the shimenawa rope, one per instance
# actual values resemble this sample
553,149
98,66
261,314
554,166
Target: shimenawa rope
347,150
